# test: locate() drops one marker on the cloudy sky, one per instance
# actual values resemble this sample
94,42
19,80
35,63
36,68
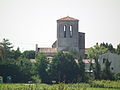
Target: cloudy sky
29,22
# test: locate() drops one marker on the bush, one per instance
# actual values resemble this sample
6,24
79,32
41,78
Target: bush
36,79
117,76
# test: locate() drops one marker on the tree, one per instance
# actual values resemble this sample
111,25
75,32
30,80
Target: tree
26,69
28,54
10,69
5,49
16,53
93,53
117,76
2,53
20,70
63,68
12,64
97,70
111,49
106,73
42,67
118,49
108,46
81,70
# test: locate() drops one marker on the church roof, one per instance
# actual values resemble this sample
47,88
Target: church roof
48,50
67,19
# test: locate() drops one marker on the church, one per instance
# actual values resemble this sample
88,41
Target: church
69,39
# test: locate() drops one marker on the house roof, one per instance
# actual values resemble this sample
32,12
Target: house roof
67,19
88,61
48,50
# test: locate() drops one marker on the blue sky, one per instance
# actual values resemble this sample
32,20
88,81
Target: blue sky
29,22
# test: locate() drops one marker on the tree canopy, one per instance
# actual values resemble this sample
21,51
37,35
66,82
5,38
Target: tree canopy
29,54
93,53
42,67
118,49
63,67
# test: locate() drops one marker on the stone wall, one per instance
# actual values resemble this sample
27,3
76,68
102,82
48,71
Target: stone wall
67,41
113,58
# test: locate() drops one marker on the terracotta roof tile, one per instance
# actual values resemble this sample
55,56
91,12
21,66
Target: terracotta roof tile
67,19
48,50
88,61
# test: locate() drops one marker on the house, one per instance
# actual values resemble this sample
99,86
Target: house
113,58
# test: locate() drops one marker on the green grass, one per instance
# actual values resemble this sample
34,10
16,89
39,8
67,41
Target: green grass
105,84
94,85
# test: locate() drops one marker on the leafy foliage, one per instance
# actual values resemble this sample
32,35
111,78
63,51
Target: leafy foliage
5,49
106,73
28,54
63,68
97,71
93,53
117,76
118,49
15,54
105,84
26,68
108,46
9,69
41,67
20,69
95,85
81,71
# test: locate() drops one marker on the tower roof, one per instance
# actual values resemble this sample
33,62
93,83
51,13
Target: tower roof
67,19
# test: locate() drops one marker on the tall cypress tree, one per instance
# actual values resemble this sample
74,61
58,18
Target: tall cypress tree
106,73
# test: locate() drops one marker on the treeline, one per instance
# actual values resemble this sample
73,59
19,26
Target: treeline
94,53
111,48
15,64
64,67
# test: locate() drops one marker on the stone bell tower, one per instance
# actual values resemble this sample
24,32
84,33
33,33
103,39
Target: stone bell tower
69,38
67,34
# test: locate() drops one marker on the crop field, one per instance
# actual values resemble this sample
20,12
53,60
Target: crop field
94,85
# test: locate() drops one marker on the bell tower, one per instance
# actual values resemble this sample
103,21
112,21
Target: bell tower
67,34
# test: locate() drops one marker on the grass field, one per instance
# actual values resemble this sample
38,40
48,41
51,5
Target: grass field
94,85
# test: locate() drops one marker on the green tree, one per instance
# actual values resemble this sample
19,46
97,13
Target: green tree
12,64
108,46
93,53
63,68
29,54
111,48
118,49
10,69
26,69
117,76
5,49
106,73
2,53
97,70
42,67
16,53
81,70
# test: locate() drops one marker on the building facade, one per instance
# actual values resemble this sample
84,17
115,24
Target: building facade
68,38
113,58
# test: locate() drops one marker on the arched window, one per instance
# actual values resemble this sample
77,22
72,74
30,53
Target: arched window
64,30
71,31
